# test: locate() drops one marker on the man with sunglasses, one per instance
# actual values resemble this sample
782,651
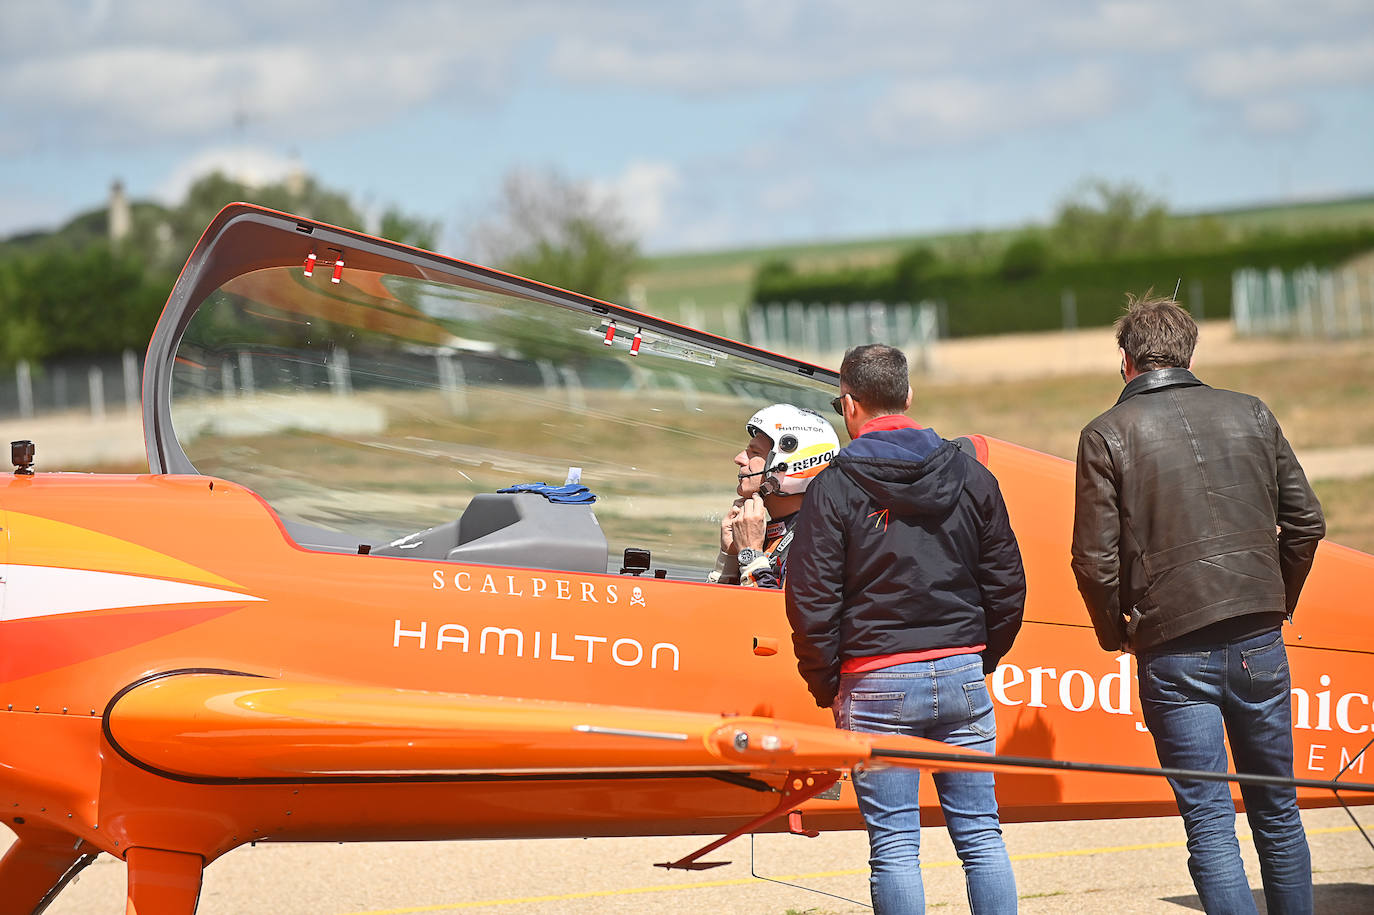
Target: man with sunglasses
904,590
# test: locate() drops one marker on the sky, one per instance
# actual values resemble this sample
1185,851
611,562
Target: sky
712,124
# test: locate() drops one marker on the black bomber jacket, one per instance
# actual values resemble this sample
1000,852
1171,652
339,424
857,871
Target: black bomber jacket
1190,508
903,544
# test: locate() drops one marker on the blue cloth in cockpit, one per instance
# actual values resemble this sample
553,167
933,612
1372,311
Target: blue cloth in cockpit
569,492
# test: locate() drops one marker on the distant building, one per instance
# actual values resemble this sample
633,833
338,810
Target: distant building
120,219
295,179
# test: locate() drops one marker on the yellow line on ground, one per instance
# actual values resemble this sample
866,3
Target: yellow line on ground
746,881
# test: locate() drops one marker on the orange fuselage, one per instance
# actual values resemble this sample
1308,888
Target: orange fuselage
343,620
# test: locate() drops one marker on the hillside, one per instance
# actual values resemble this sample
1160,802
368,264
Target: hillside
674,285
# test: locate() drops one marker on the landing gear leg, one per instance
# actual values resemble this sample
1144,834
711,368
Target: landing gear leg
163,882
36,868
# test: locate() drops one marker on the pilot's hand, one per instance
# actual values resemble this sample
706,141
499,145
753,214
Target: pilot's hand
727,529
750,524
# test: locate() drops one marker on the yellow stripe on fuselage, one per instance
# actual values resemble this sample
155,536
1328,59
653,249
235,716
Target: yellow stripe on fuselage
40,541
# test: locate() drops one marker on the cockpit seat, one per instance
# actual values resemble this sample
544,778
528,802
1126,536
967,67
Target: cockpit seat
513,529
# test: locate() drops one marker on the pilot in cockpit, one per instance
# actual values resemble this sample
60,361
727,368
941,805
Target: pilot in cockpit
788,446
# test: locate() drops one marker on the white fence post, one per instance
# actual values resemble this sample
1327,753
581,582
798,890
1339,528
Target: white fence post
856,327
95,383
1354,314
1326,291
777,326
131,397
927,331
838,340
23,378
734,328
574,387
689,391
246,382
340,378
453,384
547,375
877,323
793,323
758,329
811,328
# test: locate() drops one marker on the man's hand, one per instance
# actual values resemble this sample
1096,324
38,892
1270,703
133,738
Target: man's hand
748,524
728,544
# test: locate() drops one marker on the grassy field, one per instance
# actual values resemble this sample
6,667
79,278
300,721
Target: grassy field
711,282
1321,401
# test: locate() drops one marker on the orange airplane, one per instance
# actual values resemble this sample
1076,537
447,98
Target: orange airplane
319,619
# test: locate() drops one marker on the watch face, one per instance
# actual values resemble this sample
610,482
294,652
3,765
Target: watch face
748,555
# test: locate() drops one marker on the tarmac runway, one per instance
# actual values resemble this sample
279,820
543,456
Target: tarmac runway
1125,867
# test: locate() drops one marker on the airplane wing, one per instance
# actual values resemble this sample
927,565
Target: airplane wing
226,726
222,726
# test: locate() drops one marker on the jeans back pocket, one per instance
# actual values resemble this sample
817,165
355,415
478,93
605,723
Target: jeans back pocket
1267,666
873,710
982,720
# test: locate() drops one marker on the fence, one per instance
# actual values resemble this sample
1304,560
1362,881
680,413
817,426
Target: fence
1307,302
98,385
818,328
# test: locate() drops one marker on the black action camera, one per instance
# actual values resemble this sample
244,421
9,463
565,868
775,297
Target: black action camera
21,456
636,561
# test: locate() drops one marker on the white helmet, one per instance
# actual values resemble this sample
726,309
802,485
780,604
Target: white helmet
803,444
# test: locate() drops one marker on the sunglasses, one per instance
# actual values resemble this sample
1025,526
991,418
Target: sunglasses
838,403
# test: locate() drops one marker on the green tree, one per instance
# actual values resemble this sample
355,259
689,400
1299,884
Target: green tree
57,301
1025,257
1103,220
409,230
72,291
554,230
773,270
300,196
913,270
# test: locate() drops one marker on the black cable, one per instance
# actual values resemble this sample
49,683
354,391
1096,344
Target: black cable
795,886
1346,807
1030,762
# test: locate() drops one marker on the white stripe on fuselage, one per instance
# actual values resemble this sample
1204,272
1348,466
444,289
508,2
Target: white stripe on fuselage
29,592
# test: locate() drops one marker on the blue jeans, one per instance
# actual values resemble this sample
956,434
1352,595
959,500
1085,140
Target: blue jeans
1193,702
945,700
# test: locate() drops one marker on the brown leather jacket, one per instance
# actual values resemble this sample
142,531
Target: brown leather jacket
1189,509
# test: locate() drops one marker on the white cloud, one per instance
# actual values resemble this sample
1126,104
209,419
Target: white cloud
931,112
1261,69
1276,116
246,164
787,194
642,191
128,92
591,59
708,231
1120,26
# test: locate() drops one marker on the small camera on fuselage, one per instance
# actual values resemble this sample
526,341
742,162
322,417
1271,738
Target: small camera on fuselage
636,561
21,455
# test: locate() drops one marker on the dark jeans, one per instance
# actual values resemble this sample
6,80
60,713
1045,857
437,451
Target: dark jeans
1194,702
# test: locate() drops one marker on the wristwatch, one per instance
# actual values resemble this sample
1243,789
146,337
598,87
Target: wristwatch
748,556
